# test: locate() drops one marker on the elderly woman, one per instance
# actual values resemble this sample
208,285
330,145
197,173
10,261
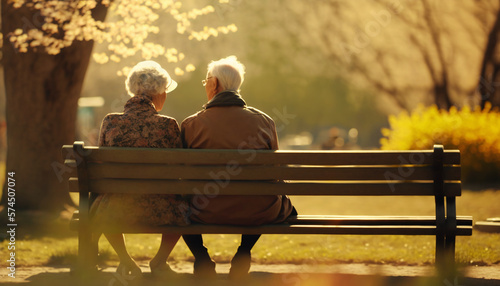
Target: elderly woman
226,122
140,125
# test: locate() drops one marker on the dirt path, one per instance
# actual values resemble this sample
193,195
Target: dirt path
293,275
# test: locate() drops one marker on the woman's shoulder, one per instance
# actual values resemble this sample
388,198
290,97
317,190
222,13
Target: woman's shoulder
112,116
165,117
111,119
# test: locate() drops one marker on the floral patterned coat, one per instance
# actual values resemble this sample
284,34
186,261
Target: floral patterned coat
139,125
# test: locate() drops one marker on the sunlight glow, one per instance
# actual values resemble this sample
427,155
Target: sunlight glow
69,21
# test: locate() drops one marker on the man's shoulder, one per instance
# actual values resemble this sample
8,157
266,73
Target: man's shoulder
256,111
192,117
249,110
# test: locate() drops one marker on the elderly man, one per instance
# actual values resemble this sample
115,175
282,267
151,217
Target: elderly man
226,122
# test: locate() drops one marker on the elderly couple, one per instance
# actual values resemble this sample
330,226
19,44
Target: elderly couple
225,122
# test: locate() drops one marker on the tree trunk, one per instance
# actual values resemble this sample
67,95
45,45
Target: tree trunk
42,94
442,96
489,80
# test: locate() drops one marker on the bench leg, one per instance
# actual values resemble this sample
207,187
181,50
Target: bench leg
451,226
440,252
445,256
87,253
450,266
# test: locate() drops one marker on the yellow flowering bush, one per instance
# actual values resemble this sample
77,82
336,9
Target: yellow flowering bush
476,133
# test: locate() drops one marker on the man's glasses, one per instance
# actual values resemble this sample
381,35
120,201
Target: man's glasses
204,82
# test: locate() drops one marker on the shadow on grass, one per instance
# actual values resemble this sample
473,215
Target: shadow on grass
483,186
35,225
69,257
255,278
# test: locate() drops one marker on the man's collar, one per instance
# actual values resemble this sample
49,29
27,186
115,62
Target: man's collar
226,98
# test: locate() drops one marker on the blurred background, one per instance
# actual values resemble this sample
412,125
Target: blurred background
333,74
288,72
338,68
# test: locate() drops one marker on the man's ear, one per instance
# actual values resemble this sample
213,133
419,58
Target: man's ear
216,84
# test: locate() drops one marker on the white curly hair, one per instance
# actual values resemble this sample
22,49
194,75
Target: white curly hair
229,72
149,78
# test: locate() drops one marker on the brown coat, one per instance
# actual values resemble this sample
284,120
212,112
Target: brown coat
227,123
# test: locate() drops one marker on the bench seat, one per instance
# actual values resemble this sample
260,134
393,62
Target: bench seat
309,224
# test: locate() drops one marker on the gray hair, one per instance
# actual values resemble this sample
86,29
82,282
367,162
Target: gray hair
148,78
229,72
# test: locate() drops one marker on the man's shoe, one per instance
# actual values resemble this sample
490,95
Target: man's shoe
240,264
204,269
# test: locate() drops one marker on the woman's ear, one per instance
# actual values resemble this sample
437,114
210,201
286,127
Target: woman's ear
159,100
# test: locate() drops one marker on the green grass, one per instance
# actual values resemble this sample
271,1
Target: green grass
480,249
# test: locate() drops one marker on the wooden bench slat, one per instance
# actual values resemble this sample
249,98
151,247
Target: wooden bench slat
289,229
70,163
283,229
339,173
450,173
488,226
211,188
373,220
162,171
265,157
362,219
357,227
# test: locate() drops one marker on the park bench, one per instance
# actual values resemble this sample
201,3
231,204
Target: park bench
434,173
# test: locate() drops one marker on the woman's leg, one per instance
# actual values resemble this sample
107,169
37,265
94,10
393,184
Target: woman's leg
127,264
168,241
95,248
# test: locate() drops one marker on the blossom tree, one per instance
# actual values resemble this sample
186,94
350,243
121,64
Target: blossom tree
409,52
47,46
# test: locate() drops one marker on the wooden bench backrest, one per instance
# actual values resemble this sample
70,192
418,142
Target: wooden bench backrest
245,172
